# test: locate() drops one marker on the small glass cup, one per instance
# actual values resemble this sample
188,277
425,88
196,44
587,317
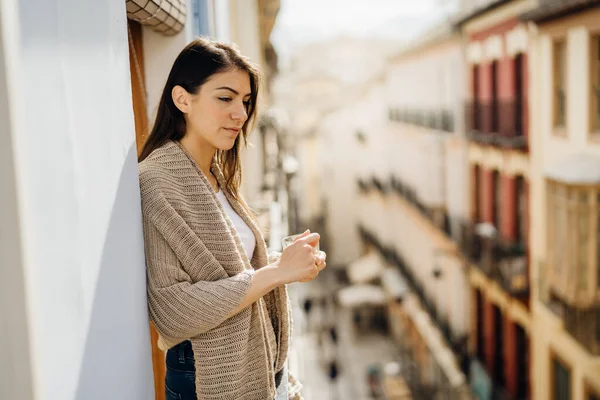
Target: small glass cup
286,241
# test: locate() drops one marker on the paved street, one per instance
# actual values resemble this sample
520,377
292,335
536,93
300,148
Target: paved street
312,351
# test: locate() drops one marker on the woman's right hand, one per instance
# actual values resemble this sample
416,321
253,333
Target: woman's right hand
298,261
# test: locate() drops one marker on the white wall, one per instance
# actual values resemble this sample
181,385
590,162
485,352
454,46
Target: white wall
344,159
79,199
15,366
434,163
160,53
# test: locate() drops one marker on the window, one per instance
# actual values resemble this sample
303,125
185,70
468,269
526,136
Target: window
574,242
598,246
518,95
560,83
522,355
201,18
595,83
494,105
476,112
521,211
479,322
583,239
497,185
562,381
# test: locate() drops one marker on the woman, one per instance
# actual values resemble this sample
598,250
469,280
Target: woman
220,307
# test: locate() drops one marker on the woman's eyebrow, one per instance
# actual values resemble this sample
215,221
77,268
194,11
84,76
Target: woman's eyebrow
232,90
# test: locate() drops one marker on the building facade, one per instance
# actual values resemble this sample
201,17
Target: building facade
565,160
497,241
412,206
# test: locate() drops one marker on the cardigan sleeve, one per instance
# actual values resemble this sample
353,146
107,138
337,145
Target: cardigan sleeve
179,308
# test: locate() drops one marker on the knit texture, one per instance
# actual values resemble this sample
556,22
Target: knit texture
198,273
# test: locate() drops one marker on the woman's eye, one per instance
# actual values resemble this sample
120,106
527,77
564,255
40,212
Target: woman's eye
247,103
225,99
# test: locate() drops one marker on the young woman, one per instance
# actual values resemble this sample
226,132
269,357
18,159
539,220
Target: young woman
219,304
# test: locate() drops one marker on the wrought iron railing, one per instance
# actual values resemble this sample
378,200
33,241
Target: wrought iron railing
442,120
501,260
500,123
393,257
456,342
583,324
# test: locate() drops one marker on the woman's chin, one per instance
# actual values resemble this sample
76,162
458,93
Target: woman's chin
226,145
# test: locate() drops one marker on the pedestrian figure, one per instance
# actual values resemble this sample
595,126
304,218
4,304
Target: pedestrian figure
333,370
307,305
333,334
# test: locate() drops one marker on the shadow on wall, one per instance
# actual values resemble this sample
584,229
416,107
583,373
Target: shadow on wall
117,360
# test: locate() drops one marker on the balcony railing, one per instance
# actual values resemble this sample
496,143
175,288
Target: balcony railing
442,120
500,260
583,324
497,124
454,340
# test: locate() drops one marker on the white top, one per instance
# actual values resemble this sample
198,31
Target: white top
243,230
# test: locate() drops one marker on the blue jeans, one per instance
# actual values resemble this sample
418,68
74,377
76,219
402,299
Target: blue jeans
180,381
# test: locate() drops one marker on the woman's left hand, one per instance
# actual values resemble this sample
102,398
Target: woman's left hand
320,257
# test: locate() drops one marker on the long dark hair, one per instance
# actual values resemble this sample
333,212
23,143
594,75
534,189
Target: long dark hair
196,63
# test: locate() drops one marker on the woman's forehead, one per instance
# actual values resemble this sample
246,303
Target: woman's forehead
237,80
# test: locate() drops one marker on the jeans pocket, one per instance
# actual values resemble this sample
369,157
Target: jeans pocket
171,395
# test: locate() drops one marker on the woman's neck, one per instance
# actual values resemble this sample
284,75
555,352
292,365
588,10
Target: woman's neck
202,152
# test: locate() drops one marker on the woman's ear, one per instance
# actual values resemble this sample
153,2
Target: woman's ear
181,99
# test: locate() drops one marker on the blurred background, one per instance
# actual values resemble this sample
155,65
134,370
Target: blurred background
447,151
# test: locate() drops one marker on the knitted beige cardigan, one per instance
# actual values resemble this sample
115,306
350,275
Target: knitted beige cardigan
198,273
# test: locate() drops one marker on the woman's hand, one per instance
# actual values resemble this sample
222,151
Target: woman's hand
320,263
298,262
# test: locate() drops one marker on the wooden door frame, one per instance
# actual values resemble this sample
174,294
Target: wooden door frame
140,114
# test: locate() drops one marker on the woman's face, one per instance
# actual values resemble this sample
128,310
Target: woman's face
217,113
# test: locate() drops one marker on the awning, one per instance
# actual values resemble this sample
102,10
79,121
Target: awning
164,16
577,169
366,268
393,283
433,338
361,295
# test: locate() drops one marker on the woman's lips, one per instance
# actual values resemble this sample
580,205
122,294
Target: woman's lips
233,131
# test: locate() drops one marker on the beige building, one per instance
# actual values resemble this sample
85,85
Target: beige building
565,198
412,204
321,91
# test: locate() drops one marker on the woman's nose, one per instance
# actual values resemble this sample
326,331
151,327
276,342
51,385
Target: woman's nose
240,113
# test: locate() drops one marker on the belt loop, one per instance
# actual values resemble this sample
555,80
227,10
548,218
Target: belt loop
181,351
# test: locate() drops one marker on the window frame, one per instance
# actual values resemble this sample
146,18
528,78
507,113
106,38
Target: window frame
558,81
594,81
577,284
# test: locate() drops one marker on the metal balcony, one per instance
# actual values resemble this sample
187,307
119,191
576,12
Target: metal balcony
496,123
583,324
441,120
